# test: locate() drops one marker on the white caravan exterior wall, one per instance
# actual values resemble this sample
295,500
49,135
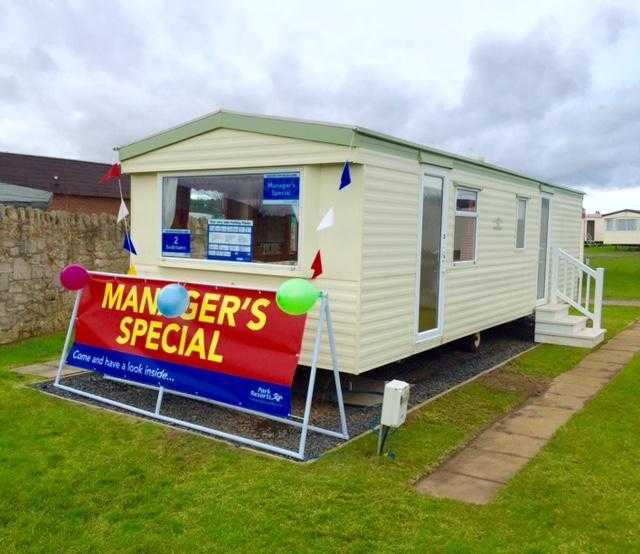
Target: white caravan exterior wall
500,286
621,237
370,256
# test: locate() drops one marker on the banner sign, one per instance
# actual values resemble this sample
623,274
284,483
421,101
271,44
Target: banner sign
176,242
230,240
281,188
231,345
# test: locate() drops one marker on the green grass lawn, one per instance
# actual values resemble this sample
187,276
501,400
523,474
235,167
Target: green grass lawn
31,351
79,479
622,271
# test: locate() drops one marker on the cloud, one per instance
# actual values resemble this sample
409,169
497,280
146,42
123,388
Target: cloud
77,79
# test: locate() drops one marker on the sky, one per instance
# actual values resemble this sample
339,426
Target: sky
550,88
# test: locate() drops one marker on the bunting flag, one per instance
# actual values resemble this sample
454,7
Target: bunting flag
123,211
133,270
345,178
327,221
113,173
128,244
316,265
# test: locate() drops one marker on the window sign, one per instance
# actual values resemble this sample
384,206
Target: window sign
230,240
281,188
176,242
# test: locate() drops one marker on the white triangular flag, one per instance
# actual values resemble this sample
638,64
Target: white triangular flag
327,221
122,212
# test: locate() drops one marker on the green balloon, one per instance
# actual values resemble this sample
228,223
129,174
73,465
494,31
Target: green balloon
296,296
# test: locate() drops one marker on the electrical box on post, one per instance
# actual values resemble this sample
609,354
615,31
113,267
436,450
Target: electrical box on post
394,403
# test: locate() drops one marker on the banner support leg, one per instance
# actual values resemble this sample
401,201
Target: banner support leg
312,378
159,400
67,340
336,371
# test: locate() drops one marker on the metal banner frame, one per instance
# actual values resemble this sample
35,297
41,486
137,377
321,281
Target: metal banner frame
295,421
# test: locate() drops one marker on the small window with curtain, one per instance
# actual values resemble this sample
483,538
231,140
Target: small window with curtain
521,222
250,217
466,222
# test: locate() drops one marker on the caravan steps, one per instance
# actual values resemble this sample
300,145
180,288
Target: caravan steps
554,325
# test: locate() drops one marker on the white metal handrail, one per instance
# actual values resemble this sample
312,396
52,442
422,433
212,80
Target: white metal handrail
571,282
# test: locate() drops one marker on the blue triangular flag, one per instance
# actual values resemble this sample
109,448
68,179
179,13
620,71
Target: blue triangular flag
345,179
128,244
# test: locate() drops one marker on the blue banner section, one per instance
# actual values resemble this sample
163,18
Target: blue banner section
176,242
237,391
281,188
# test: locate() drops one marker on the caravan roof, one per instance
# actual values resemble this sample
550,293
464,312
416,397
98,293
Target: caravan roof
331,133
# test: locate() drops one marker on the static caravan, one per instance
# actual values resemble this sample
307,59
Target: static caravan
622,228
593,228
427,247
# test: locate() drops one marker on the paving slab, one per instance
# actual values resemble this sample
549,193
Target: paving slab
47,370
443,484
595,372
560,401
537,427
517,445
610,356
629,341
615,302
493,466
36,369
581,379
620,346
362,398
613,366
573,389
553,413
633,333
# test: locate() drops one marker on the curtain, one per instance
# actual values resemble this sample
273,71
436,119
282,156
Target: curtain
169,187
183,201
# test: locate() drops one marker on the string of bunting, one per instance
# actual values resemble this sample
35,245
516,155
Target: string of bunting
329,219
115,172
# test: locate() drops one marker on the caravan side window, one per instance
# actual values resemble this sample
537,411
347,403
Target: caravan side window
464,236
521,222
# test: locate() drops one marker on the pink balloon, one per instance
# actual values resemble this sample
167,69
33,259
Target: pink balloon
74,277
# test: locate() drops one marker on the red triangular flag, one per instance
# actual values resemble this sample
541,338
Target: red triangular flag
113,173
317,265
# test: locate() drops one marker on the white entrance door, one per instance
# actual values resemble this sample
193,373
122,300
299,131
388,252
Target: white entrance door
431,241
543,248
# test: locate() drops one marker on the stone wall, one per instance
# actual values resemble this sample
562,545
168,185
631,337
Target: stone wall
34,247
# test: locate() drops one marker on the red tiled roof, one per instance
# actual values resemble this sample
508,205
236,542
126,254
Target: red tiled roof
59,176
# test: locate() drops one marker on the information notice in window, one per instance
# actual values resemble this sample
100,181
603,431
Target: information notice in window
230,240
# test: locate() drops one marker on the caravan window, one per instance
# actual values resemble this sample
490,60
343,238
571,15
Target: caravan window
464,236
521,222
250,217
623,224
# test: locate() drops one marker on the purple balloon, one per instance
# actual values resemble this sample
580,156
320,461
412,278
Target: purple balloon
74,277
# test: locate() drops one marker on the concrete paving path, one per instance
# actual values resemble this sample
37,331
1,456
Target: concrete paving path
478,472
47,370
621,303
